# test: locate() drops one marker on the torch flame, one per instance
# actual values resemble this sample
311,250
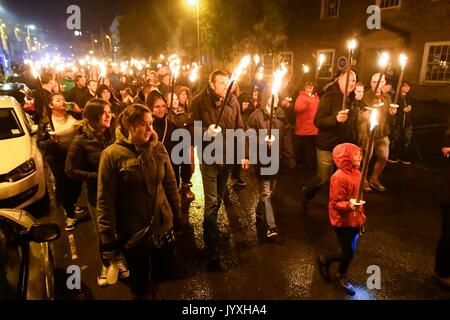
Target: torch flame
277,79
256,59
321,60
383,60
403,59
193,73
102,69
305,68
174,64
241,67
352,44
373,119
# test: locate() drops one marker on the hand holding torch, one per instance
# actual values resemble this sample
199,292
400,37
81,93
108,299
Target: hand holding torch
241,67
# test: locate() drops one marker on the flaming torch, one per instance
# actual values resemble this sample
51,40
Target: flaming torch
351,48
367,156
174,65
277,79
236,73
382,63
403,60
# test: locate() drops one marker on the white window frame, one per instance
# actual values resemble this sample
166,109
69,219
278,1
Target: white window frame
273,57
388,8
327,62
323,10
423,72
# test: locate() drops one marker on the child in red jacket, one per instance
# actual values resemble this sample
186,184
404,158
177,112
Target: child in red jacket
346,218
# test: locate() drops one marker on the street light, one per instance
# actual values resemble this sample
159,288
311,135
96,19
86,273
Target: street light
196,3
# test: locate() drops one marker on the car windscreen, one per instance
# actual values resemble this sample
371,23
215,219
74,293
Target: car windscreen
9,124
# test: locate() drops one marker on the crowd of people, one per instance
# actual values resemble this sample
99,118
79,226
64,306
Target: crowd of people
114,135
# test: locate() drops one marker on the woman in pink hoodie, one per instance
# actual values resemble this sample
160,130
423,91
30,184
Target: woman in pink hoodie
346,218
305,131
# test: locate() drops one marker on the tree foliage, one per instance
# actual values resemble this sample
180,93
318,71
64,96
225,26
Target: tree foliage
227,28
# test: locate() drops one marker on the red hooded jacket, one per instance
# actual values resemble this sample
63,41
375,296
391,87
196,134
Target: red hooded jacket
306,108
344,186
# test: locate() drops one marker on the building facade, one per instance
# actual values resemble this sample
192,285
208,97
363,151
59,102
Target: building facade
420,29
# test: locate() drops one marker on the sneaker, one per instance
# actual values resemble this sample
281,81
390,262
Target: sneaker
113,273
347,286
272,233
123,269
375,183
186,190
324,269
70,224
405,161
240,181
366,187
101,280
392,161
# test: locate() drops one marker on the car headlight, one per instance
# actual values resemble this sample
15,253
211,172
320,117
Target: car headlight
22,171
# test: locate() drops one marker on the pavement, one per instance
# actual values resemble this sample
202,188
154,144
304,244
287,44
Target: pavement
402,230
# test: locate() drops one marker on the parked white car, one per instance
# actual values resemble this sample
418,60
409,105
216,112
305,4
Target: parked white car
22,177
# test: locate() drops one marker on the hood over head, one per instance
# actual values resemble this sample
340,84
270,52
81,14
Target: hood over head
343,155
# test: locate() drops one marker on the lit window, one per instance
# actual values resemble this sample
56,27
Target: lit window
330,9
435,64
324,70
384,4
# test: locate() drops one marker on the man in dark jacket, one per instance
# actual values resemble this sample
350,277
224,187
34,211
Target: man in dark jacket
206,108
79,94
335,127
402,128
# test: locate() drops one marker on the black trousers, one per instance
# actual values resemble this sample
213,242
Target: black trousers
347,238
67,190
147,263
183,173
442,262
305,150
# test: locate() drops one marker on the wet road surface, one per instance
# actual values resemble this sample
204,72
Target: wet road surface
402,230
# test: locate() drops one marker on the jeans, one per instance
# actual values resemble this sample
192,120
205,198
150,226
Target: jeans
401,142
266,190
347,238
325,168
214,177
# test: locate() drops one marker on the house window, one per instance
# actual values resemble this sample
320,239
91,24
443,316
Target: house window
325,70
273,61
436,61
384,4
330,9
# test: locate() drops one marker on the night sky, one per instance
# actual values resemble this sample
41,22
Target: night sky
51,15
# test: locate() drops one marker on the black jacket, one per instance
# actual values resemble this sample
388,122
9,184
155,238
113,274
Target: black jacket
83,157
403,102
331,133
206,108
